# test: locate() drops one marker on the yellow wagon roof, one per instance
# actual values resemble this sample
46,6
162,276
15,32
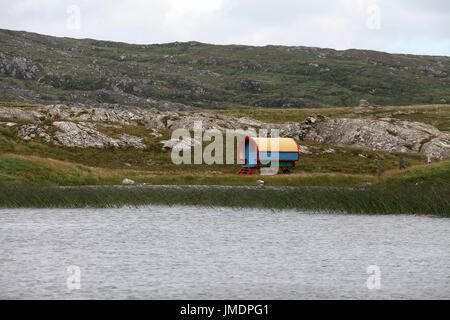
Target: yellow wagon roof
276,144
271,145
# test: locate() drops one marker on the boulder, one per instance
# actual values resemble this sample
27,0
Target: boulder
438,148
126,140
363,103
127,181
304,150
184,144
328,151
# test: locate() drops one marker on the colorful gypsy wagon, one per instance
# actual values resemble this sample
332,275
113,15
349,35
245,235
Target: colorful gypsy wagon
266,152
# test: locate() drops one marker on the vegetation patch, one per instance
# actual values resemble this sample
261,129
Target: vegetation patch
366,200
22,171
392,132
433,174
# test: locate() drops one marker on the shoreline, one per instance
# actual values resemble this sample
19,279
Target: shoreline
218,208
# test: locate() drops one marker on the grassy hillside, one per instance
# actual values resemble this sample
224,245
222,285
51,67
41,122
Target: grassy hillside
434,174
42,69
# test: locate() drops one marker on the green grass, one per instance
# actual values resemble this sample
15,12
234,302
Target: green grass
23,171
434,174
4,104
44,171
370,200
18,169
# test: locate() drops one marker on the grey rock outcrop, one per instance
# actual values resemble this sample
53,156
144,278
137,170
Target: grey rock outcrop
24,67
22,114
126,140
400,136
71,134
77,127
32,131
18,67
180,144
438,148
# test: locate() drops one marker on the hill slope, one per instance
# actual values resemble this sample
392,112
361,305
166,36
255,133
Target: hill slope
42,69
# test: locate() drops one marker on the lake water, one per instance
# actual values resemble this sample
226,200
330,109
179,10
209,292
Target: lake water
159,252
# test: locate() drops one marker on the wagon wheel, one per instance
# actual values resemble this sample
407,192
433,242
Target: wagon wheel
286,171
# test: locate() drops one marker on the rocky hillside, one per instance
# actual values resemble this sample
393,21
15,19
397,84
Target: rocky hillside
178,76
109,128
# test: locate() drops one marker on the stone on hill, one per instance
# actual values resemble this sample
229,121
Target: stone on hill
304,149
127,181
364,103
184,144
8,124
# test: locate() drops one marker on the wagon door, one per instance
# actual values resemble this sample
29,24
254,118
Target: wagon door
251,154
